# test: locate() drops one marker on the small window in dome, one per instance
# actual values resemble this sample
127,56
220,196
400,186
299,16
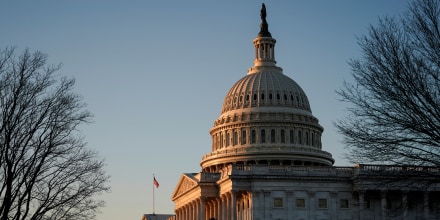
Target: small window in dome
291,136
285,97
262,96
283,136
253,137
297,98
270,96
278,97
247,97
307,138
235,100
302,99
241,98
263,136
255,96
291,97
272,136
243,137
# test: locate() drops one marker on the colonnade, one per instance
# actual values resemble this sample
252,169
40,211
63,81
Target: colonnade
225,207
384,209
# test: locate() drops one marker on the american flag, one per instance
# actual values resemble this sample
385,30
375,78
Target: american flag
156,184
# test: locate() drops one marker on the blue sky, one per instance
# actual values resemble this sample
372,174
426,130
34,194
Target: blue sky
154,74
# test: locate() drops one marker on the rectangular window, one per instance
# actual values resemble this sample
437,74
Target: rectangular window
227,139
322,203
299,137
300,203
344,204
263,136
278,202
253,137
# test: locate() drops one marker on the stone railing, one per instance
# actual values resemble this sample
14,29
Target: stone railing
369,168
209,177
291,170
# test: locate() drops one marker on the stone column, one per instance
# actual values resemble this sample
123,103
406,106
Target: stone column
267,203
290,205
228,207
256,204
193,210
312,205
246,207
219,208
333,207
405,204
202,208
233,205
383,204
361,204
425,204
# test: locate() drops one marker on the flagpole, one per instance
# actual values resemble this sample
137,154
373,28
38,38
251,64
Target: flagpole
153,194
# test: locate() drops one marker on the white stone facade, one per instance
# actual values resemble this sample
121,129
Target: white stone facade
267,162
259,192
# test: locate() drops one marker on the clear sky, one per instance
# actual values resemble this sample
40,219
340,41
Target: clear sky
154,74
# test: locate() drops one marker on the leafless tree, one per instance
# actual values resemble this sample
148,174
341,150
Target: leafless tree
394,99
45,170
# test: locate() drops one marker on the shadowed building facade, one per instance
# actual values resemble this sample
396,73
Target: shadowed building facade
267,161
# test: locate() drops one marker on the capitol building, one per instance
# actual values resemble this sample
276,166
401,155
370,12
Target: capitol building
267,161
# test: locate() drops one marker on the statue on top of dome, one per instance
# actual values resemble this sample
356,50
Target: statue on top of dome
264,32
263,13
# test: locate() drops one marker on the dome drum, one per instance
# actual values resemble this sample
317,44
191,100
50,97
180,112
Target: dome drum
246,154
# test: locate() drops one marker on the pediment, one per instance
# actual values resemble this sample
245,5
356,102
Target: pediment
186,183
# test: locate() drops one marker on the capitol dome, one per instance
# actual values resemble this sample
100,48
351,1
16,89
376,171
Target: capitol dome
266,89
266,118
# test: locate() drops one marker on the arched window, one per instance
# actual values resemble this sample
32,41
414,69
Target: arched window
227,139
272,136
235,138
299,137
253,137
243,137
263,136
221,139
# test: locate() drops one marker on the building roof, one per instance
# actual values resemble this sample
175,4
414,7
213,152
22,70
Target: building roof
156,216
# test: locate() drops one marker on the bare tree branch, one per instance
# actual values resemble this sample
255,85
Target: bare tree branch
45,170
